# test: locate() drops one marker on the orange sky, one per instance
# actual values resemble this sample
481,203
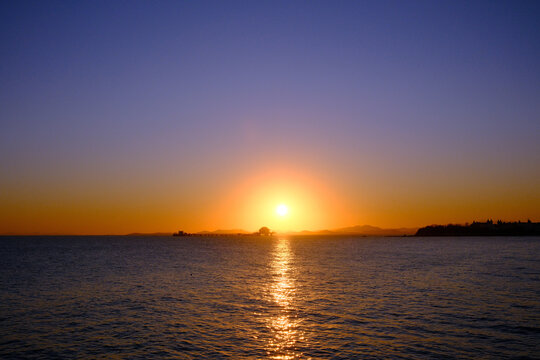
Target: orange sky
247,200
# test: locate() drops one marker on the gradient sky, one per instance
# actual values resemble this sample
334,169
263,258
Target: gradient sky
119,117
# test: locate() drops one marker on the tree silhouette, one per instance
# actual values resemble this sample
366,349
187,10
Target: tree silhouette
264,231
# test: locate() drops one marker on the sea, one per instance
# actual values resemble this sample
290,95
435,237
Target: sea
278,297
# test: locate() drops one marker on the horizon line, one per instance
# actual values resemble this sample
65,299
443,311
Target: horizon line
245,232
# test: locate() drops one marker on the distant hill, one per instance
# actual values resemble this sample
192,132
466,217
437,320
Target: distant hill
367,230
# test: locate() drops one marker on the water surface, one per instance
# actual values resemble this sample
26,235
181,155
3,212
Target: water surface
275,298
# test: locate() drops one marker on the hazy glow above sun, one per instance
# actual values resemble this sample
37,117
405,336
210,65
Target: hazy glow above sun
282,210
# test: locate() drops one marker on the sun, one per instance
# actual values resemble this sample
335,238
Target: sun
282,210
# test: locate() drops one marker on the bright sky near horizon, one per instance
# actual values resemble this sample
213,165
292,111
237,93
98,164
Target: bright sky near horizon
134,116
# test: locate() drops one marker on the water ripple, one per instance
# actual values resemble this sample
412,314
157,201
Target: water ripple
275,298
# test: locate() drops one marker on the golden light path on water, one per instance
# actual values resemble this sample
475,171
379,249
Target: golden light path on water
284,324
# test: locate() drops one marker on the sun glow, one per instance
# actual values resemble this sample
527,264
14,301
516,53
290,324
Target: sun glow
282,210
281,199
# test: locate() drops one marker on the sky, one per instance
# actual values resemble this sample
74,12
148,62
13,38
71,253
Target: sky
149,116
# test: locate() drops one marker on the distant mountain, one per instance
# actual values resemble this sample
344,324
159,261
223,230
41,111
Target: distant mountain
367,230
373,230
360,230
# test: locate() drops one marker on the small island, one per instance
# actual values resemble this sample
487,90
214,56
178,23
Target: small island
488,228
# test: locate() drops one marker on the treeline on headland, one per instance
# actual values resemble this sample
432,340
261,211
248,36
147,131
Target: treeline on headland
488,228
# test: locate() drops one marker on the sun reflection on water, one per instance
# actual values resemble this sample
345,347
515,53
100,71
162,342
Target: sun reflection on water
284,324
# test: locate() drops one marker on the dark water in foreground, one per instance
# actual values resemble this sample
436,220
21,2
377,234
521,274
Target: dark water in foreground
279,298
